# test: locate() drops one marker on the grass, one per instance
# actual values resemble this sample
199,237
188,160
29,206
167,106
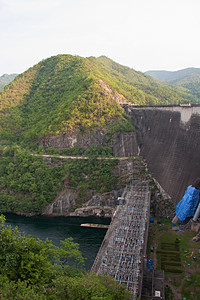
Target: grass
175,254
168,254
168,293
191,286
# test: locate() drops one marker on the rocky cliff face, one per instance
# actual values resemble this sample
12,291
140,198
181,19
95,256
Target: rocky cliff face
100,205
123,144
63,204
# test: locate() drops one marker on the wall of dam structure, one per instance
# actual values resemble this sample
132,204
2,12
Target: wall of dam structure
169,141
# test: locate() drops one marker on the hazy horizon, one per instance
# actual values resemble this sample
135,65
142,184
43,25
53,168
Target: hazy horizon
116,62
143,35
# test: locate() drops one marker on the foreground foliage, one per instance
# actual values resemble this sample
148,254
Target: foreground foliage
36,269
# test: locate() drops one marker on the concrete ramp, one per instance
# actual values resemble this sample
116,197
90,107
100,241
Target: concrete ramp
124,247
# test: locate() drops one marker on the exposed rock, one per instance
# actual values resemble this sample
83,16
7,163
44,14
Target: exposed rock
197,237
97,211
100,200
63,204
119,98
161,203
100,205
195,226
67,141
123,144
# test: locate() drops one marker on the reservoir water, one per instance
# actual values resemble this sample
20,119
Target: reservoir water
60,228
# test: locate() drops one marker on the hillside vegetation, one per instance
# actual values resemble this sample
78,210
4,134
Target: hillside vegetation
68,93
138,87
187,78
59,96
28,184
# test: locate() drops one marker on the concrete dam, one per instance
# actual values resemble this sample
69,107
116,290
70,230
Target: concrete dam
169,140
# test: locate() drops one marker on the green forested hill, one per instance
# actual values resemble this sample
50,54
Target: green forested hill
57,95
187,78
65,93
61,95
138,87
6,79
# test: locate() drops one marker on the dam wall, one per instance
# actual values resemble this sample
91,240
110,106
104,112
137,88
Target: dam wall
169,140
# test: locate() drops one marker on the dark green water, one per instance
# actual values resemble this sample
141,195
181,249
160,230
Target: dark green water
60,228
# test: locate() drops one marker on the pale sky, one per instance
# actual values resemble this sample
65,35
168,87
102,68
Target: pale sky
141,34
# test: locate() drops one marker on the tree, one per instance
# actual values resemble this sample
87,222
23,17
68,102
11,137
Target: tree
36,261
38,270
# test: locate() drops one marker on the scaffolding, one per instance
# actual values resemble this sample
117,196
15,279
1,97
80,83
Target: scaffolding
124,247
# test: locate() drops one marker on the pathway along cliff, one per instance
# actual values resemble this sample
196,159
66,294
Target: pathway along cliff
79,157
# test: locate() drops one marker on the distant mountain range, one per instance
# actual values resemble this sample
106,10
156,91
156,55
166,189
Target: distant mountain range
187,78
6,79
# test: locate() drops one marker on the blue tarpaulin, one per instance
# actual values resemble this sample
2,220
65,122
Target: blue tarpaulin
186,207
150,263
